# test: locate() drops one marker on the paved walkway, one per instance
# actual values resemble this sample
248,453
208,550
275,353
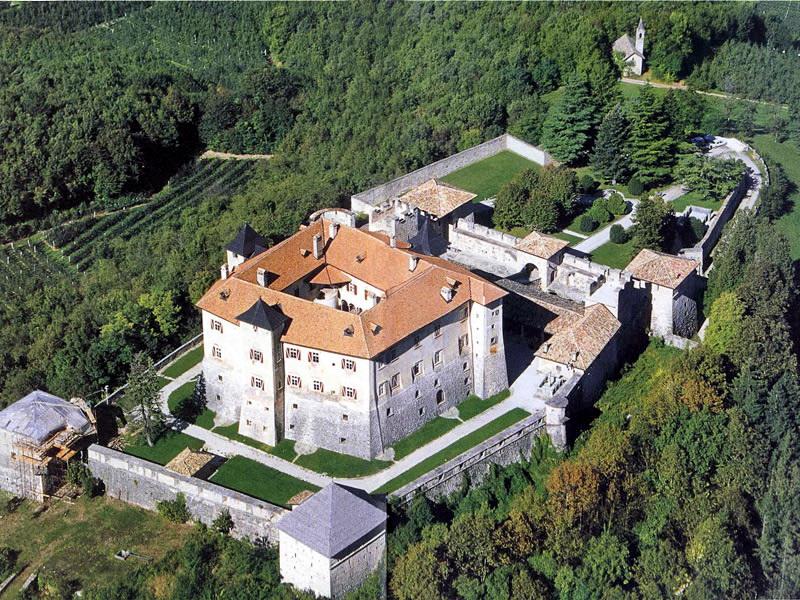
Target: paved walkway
594,241
521,396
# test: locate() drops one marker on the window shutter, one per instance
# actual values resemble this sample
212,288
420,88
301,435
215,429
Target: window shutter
343,363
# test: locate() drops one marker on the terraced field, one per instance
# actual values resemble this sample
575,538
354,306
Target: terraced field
25,266
82,242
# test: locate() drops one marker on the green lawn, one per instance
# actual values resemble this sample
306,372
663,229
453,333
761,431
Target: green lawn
567,237
486,177
340,465
184,362
204,420
430,431
232,433
787,155
80,539
474,405
614,255
694,199
284,450
166,448
459,447
260,481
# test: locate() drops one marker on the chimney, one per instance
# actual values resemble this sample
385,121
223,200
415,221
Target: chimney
333,229
412,262
223,271
447,293
318,246
393,241
261,277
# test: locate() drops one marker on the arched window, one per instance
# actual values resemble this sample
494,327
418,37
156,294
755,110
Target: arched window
439,396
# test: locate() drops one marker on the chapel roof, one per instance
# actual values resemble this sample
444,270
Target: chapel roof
541,245
579,340
625,45
334,520
437,198
660,268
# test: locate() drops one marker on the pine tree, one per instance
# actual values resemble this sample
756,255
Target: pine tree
610,156
653,223
651,147
569,126
144,392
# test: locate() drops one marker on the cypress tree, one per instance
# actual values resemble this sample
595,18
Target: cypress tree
654,220
610,156
569,126
651,147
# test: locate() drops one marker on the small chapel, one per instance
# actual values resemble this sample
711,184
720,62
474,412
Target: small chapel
632,51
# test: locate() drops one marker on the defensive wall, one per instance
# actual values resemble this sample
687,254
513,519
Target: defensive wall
365,201
471,467
142,483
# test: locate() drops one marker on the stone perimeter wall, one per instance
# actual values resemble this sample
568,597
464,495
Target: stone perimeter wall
364,201
505,448
140,482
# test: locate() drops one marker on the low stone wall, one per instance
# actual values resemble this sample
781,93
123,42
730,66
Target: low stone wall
505,448
143,484
363,201
701,251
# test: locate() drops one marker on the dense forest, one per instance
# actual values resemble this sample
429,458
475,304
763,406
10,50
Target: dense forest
686,485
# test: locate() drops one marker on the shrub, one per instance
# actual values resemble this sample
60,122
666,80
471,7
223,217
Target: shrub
618,234
587,224
174,510
698,228
79,475
587,184
600,214
616,204
8,558
635,186
223,522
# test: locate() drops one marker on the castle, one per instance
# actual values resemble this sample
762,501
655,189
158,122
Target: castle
344,339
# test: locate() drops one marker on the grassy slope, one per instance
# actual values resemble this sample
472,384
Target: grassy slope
184,363
166,448
257,480
486,177
462,445
787,155
81,539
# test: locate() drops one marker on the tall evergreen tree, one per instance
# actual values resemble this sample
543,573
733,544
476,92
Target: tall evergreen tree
144,391
569,126
610,156
654,222
652,149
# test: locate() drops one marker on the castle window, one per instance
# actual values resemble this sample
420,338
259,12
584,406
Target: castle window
294,405
437,330
344,417
349,392
249,422
465,366
216,351
352,288
493,340
437,358
383,388
318,387
388,411
257,383
219,397
416,394
421,410
496,313
463,343
416,370
256,355
466,380
293,380
219,377
366,294
291,426
436,383
394,382
216,325
293,353
416,341
313,357
463,314
439,397
348,364
342,440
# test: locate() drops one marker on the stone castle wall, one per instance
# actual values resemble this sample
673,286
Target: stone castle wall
365,201
142,483
507,447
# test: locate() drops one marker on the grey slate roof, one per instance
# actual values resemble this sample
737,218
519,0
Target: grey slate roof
247,242
625,45
422,242
264,316
39,415
335,519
